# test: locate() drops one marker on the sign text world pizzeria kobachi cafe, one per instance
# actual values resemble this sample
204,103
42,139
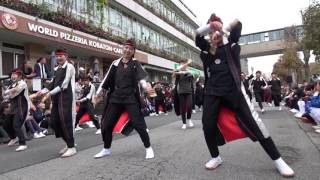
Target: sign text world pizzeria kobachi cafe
71,37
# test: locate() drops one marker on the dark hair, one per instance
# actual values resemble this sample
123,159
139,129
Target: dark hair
39,59
258,72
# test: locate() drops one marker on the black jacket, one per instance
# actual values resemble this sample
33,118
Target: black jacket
232,51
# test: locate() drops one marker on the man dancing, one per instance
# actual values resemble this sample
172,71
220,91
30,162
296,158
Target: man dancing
258,86
18,96
63,102
85,103
122,83
184,90
223,89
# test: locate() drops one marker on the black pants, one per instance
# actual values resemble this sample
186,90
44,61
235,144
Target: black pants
86,107
114,111
185,106
159,103
234,102
249,94
276,99
62,123
13,126
259,98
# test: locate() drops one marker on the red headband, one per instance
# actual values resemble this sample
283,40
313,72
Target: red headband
60,52
16,71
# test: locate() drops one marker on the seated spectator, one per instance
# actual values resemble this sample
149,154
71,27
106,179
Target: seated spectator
313,107
32,125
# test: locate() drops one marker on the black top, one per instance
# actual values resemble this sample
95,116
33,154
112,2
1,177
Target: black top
258,84
160,94
184,83
222,76
275,86
67,94
220,81
246,82
126,82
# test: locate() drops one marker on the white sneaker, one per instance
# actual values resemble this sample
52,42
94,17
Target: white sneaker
283,168
280,108
157,115
149,153
78,128
270,104
90,124
200,109
36,135
298,115
193,111
70,152
21,148
147,130
41,134
316,127
214,163
190,123
262,111
102,153
184,126
317,131
13,141
294,110
62,151
98,131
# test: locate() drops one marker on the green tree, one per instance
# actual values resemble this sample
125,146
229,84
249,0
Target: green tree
101,4
311,24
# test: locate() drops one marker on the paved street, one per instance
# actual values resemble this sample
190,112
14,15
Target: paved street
179,155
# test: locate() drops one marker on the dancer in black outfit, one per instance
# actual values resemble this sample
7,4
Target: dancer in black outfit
258,85
122,83
223,89
63,102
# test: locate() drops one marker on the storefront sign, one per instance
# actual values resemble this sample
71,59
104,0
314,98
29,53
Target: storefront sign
71,37
9,21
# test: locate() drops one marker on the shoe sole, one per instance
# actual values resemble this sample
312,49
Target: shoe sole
214,167
150,158
101,156
286,175
68,156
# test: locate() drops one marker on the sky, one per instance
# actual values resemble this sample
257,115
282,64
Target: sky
255,15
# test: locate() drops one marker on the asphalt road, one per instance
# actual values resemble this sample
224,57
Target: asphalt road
180,154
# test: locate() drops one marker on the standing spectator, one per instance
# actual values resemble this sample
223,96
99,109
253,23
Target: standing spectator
159,99
246,84
258,85
275,84
41,69
199,94
27,70
96,78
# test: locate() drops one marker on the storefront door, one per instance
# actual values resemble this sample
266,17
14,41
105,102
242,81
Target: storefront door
10,58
